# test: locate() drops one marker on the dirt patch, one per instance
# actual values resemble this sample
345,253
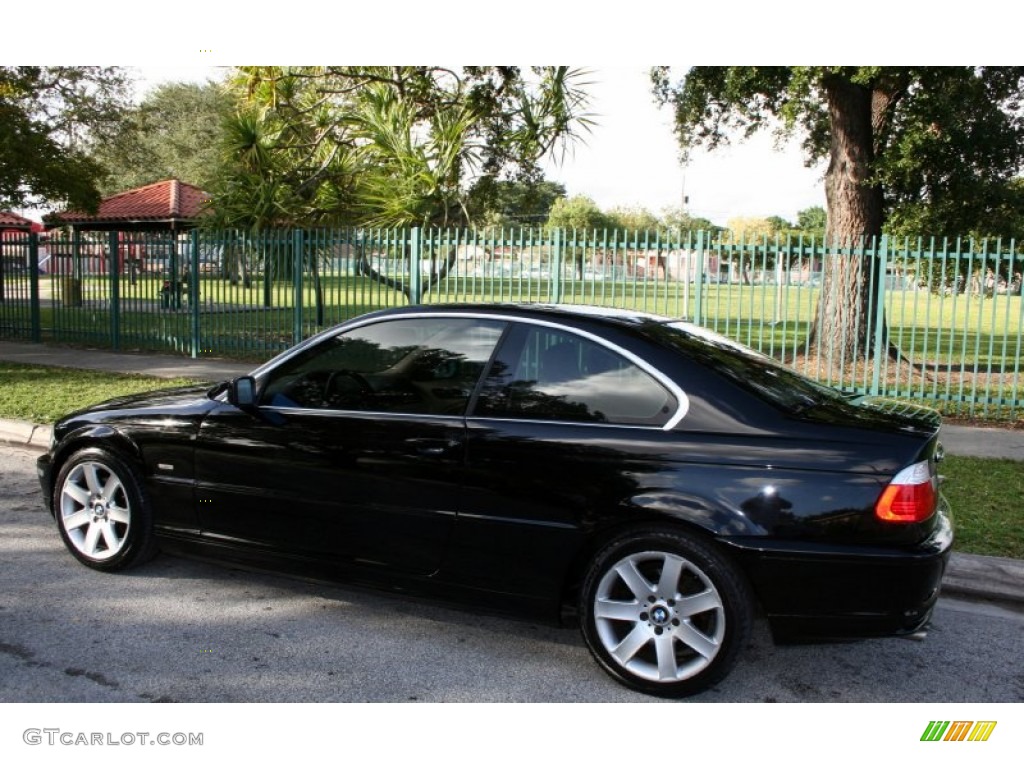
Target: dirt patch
947,387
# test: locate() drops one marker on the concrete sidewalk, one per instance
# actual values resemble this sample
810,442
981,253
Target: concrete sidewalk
970,576
984,442
164,366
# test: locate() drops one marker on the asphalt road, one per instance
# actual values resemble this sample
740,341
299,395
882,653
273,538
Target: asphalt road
180,630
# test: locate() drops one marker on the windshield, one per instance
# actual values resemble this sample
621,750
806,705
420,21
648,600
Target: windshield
752,370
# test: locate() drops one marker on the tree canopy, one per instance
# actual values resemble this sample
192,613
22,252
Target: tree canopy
494,202
48,116
578,212
388,146
751,228
812,220
678,218
633,219
174,133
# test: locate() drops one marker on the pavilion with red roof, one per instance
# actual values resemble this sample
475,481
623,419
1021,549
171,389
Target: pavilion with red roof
13,234
169,205
12,222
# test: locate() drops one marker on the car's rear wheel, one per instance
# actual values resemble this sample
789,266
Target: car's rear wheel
665,613
102,513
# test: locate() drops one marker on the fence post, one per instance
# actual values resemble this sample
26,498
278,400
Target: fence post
175,269
76,253
115,291
881,348
268,246
297,245
415,274
555,267
193,291
698,278
33,286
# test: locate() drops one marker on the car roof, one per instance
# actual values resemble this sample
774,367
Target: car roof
559,311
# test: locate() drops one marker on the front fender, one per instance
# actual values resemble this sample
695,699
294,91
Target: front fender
86,435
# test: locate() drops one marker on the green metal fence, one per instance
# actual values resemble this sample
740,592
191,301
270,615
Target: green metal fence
948,315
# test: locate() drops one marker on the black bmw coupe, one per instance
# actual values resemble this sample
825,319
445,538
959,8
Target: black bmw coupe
652,481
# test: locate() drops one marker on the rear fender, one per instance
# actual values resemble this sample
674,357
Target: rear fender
704,514
689,514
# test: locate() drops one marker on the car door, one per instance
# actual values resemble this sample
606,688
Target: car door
356,451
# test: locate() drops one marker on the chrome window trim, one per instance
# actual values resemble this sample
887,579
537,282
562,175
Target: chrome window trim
681,399
389,415
386,415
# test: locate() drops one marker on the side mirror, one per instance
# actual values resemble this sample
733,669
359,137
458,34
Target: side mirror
242,393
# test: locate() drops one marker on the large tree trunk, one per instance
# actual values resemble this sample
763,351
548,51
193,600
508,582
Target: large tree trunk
845,323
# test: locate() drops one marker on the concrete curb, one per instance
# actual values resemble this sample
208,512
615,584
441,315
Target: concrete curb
24,434
986,578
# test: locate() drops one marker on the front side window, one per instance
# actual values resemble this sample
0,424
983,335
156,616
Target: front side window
553,375
411,365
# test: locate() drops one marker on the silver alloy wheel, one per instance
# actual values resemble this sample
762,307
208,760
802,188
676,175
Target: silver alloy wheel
95,511
659,616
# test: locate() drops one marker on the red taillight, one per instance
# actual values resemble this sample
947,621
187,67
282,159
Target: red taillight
910,497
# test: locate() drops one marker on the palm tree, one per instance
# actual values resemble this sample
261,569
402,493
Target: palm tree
388,146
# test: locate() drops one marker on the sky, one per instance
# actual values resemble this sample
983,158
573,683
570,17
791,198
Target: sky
630,158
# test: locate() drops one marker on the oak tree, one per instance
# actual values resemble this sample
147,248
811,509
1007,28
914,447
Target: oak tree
48,117
174,132
896,139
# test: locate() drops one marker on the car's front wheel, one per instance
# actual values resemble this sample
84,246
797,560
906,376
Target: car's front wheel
102,512
665,613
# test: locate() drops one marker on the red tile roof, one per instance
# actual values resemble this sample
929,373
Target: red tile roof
10,220
169,200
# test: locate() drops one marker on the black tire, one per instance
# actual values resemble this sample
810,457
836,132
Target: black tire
665,613
102,512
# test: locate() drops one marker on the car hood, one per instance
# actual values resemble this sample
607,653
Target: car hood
177,399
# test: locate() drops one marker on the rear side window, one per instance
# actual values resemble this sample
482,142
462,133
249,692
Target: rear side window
413,365
755,372
552,375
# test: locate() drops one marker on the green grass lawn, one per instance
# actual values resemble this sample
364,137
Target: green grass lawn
987,495
42,394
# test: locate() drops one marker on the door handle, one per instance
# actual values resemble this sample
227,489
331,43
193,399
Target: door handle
431,446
